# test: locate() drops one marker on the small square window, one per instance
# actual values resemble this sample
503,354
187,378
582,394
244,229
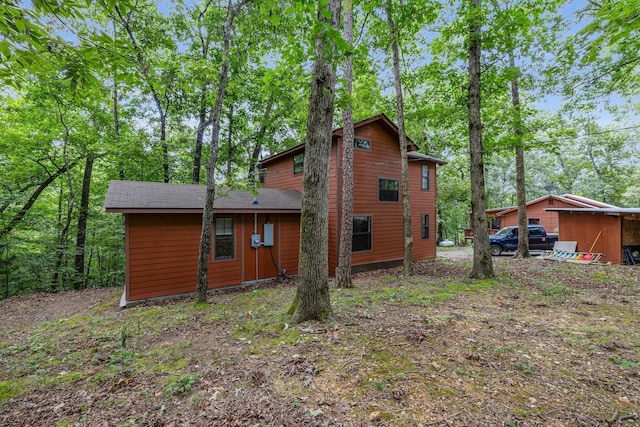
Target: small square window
425,226
425,177
298,164
363,144
388,190
361,240
224,238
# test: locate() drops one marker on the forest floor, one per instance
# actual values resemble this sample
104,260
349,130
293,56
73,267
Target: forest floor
545,343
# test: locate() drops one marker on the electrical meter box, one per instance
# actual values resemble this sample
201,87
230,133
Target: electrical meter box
268,234
255,240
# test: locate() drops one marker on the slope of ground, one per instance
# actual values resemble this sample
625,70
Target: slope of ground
543,344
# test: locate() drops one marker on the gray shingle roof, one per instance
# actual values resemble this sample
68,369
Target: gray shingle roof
419,156
124,196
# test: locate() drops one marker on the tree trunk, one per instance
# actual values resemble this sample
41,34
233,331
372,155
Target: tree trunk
34,196
482,264
407,265
257,149
312,295
523,229
343,273
62,240
5,267
162,110
164,144
81,236
197,152
207,215
230,146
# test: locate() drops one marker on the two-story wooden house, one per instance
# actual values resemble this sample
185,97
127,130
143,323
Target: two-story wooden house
256,237
377,205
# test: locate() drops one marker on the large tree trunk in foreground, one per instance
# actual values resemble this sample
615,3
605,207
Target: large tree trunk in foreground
482,264
343,273
312,295
407,265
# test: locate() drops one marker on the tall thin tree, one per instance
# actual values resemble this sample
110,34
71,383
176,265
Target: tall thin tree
343,274
207,215
407,265
482,264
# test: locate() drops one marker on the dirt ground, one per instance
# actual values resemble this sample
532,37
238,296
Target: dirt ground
545,344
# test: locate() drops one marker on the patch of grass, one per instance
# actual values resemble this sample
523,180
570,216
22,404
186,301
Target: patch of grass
526,367
558,292
12,388
624,363
181,384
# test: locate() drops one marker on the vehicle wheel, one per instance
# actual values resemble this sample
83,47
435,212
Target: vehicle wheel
496,250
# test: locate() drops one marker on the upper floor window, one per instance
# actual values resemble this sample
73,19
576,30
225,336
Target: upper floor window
361,240
425,177
361,143
224,238
298,164
388,190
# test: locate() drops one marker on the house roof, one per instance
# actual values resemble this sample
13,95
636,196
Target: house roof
572,199
381,118
613,211
137,197
587,201
414,155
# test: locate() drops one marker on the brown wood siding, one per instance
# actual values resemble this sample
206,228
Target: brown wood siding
289,243
549,220
423,202
382,161
259,263
280,175
630,232
163,253
584,228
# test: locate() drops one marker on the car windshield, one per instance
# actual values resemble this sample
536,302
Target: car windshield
504,231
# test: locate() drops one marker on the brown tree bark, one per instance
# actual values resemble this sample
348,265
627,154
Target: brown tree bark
259,139
202,125
523,229
312,295
162,109
81,234
482,264
207,215
34,197
343,273
230,146
407,265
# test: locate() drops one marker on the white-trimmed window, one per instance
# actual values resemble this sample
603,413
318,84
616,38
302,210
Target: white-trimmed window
361,143
361,240
224,238
388,190
425,177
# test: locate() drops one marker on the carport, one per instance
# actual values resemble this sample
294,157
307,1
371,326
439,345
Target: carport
619,230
